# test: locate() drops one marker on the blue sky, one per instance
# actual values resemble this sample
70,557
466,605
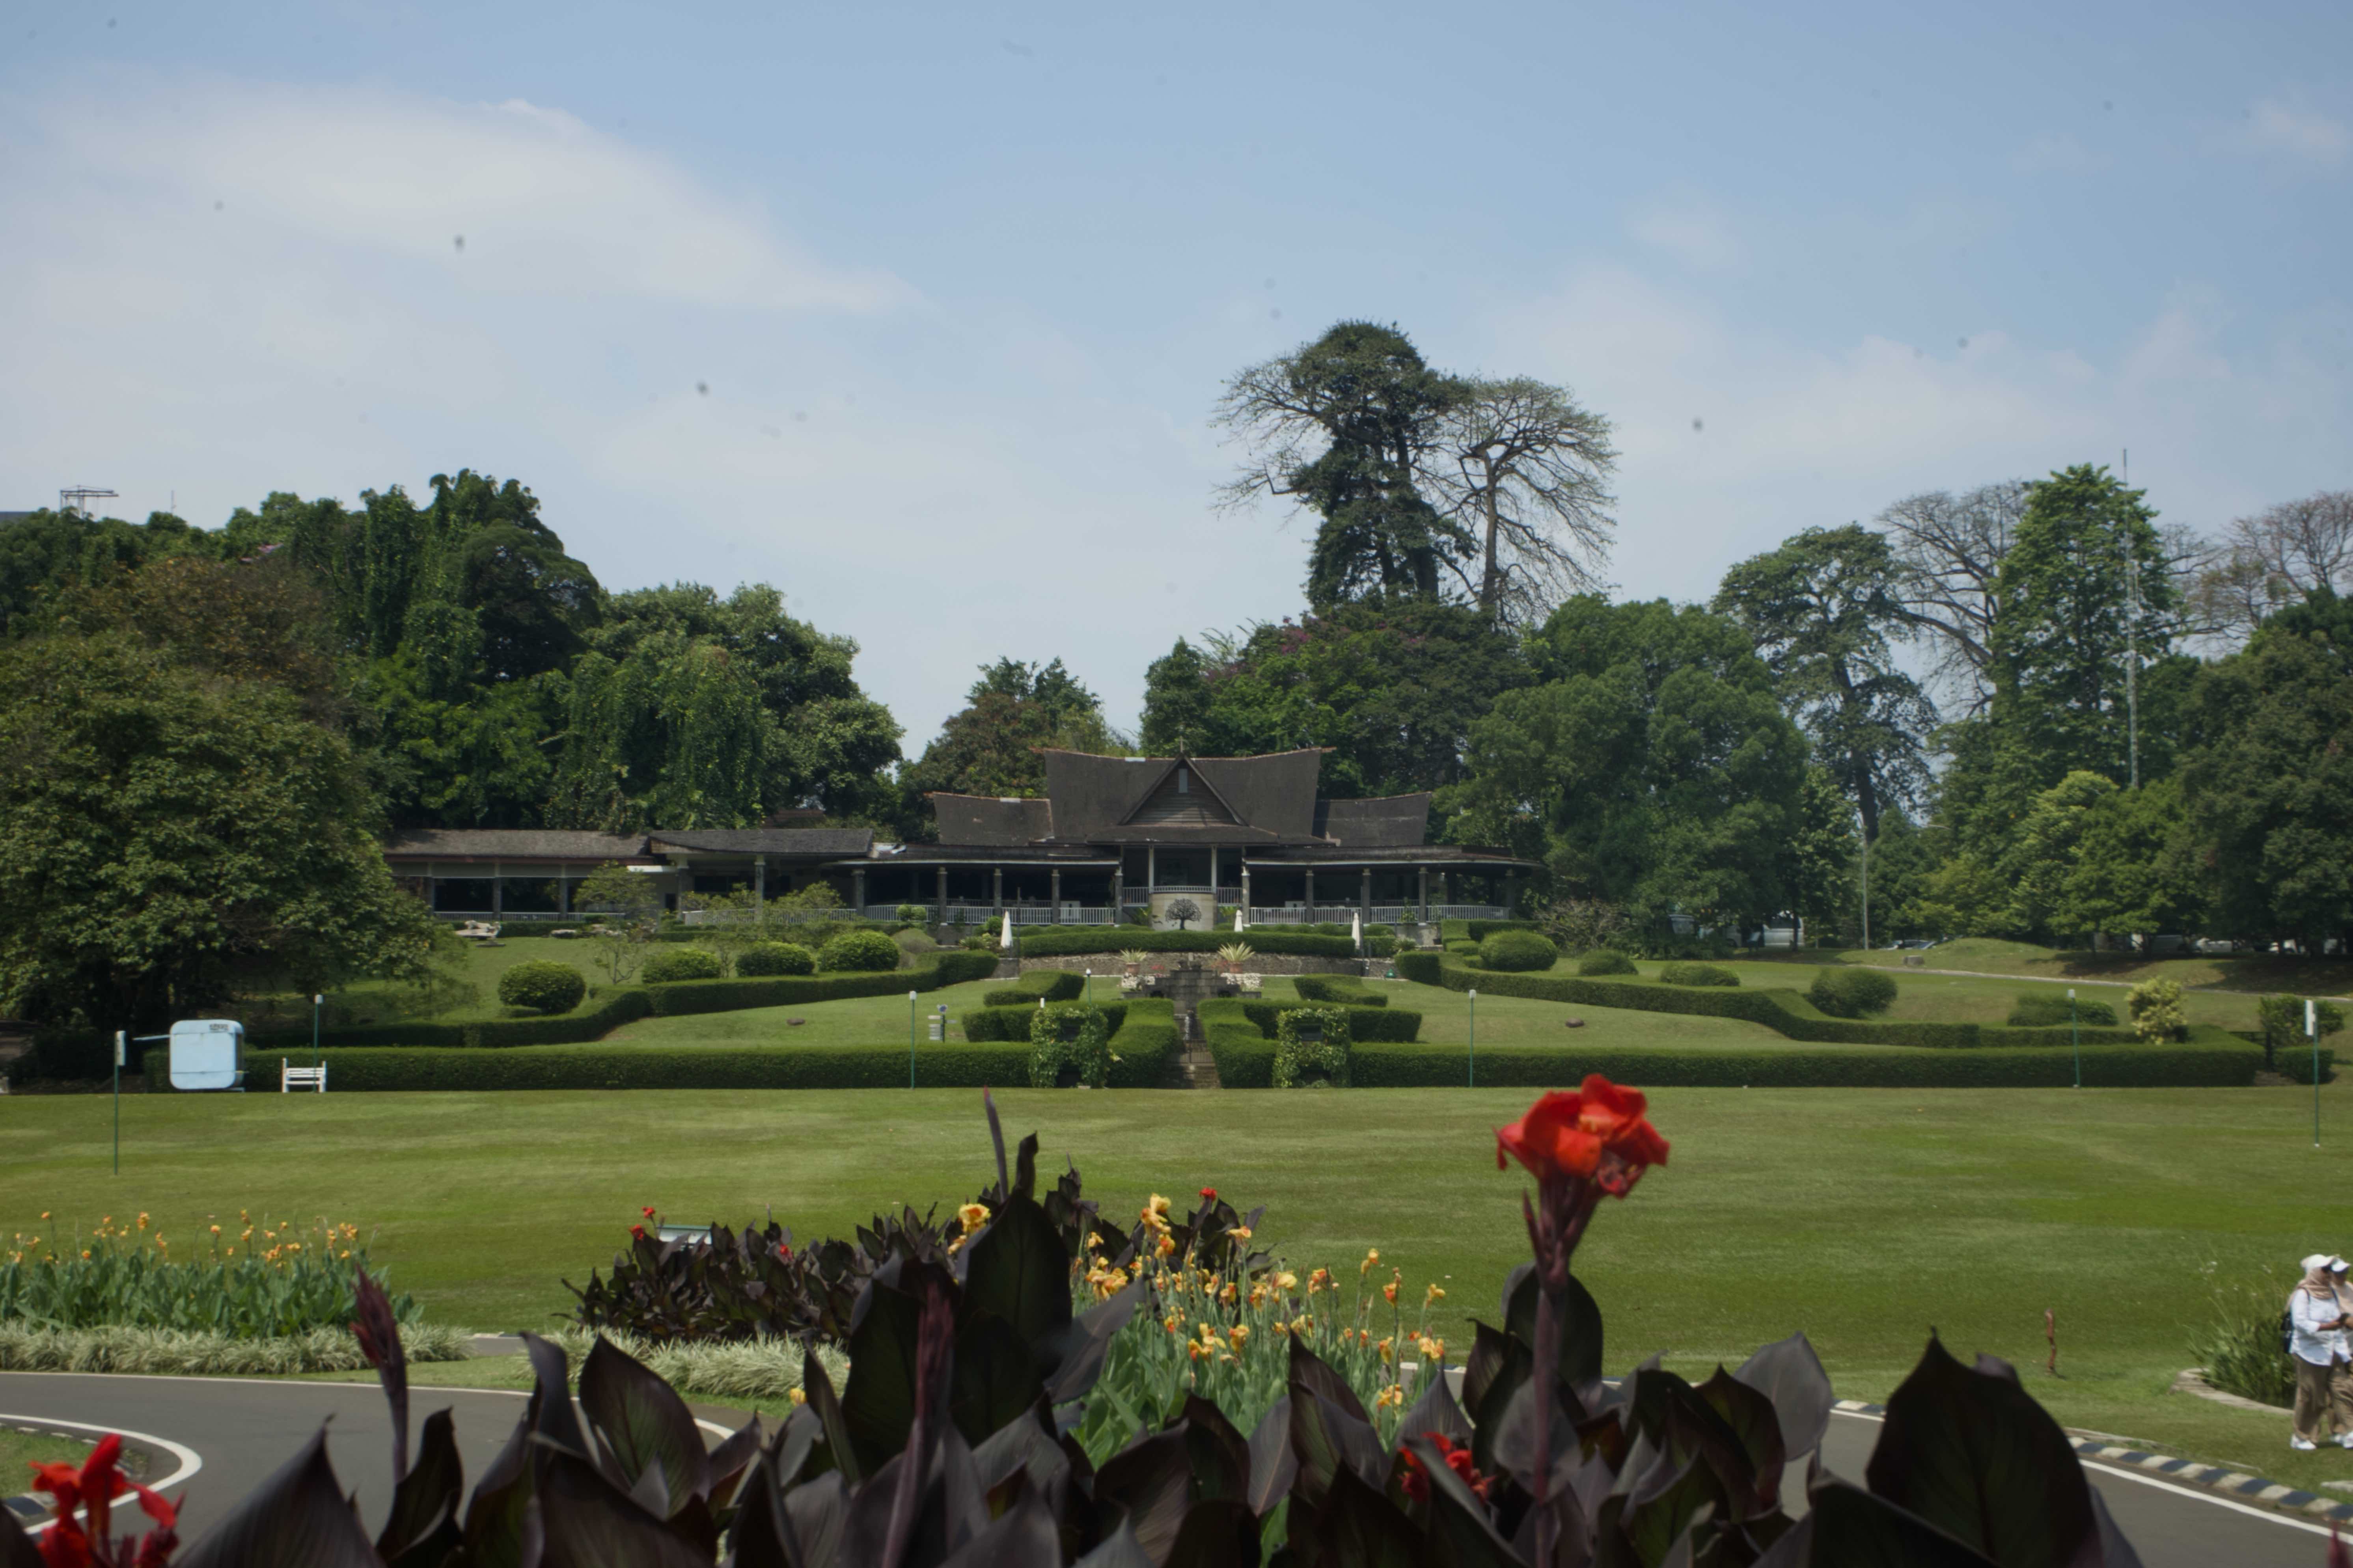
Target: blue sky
919,312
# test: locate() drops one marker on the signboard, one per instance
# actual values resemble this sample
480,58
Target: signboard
203,1053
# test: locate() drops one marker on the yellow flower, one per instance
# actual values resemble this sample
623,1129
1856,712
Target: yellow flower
1388,1292
1388,1398
1284,1279
216,1230
1194,1351
1431,1349
45,1214
1239,1335
1168,1244
1240,1233
1257,1296
85,1255
1171,1324
142,1219
1389,1351
1433,1294
1319,1280
1372,1256
1301,1324
799,1397
1156,1211
972,1216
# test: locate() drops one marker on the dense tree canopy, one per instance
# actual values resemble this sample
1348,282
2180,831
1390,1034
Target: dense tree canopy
1013,712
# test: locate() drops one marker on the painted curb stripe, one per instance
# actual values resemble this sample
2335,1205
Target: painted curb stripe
190,1462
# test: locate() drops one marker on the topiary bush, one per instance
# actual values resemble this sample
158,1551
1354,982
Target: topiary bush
669,963
543,985
1513,951
857,951
1069,1045
1697,975
913,942
2044,1011
1601,961
765,958
2156,1008
1309,1063
912,914
1852,992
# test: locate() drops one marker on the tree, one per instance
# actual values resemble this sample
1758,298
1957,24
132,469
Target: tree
2275,559
2133,870
1391,687
632,910
1344,427
1824,861
1648,764
1948,551
168,835
2267,777
1521,466
1014,712
1821,609
47,554
1183,910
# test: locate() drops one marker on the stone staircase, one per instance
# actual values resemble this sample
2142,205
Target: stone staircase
1195,1067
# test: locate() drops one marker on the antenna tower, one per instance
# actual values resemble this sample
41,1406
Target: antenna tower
75,498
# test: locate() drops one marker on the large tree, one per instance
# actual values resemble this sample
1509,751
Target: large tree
1014,712
2272,558
1650,765
2267,778
170,833
1525,469
1823,609
1344,427
1392,687
1949,552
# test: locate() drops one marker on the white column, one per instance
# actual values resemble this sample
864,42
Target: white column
1213,884
1151,869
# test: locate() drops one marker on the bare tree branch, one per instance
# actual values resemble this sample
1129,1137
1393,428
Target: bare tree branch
2274,559
1522,467
1949,550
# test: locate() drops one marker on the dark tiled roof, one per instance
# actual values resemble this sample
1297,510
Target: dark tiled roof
991,819
1388,821
996,854
1412,855
514,844
1276,792
1092,793
832,842
1185,833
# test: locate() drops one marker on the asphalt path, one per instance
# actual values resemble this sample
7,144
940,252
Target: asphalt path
242,1429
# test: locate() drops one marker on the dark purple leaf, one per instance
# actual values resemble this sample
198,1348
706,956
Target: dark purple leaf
1788,1372
423,1519
644,1425
299,1518
589,1524
1151,1481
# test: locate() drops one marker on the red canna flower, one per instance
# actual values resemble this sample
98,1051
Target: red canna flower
1416,1480
1598,1134
88,1542
785,1251
1209,1194
648,1211
637,1232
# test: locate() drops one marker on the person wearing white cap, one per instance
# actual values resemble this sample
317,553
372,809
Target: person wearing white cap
2317,1341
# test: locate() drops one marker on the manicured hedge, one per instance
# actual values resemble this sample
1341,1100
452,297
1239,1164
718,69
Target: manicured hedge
1687,973
1778,1009
1603,960
676,964
1056,942
2031,1011
1856,992
1144,1045
1516,951
2196,1065
1013,1022
1382,1023
1243,1052
1480,931
767,958
1345,989
1040,985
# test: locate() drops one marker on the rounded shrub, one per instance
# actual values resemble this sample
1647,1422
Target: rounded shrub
1509,951
765,958
859,951
667,964
912,914
543,985
1697,975
1602,960
914,944
2051,1012
1852,992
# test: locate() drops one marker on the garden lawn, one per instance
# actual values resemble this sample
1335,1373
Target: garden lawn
1860,1216
849,1021
2251,972
1525,1021
19,1451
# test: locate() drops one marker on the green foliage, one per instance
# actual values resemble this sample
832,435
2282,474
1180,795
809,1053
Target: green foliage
1581,925
2041,1010
1344,989
766,958
912,914
1063,941
991,747
270,1282
1365,1023
1036,985
1069,1045
1012,1021
2196,1065
678,962
1651,767
1696,974
168,835
1604,962
2282,1022
543,985
2156,1009
1516,950
860,951
1854,993
2239,1345
1311,1047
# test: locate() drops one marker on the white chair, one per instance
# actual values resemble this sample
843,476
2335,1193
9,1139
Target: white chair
291,1078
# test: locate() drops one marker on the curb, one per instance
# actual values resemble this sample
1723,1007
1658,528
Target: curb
2235,1485
28,1508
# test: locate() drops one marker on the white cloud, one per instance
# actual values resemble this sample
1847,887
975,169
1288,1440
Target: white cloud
1688,229
2275,125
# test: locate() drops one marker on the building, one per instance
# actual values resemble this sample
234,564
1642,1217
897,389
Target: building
1110,836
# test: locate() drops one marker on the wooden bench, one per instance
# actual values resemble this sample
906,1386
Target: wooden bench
290,1078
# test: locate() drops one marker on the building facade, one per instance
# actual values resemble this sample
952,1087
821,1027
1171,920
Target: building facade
1112,838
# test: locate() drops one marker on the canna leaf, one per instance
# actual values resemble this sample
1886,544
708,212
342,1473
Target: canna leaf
645,1426
299,1518
422,1523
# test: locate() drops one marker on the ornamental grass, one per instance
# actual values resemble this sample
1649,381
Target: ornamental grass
255,1281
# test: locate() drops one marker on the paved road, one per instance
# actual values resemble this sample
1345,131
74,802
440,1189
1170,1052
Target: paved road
243,1429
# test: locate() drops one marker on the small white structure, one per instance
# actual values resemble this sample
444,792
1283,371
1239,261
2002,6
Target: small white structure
293,1078
1357,928
204,1052
1237,920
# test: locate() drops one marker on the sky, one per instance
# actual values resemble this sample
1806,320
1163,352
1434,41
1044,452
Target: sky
919,312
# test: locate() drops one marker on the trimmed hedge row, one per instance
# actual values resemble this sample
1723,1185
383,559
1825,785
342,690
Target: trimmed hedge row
1782,1010
1144,1044
1344,989
1061,941
1012,1023
2197,1065
1038,985
1364,1023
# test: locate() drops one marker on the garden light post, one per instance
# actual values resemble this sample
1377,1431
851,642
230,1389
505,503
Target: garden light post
2312,1033
913,1028
1470,1066
318,1001
120,1044
2075,1037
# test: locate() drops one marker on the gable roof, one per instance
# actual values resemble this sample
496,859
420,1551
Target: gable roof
514,844
1384,821
832,842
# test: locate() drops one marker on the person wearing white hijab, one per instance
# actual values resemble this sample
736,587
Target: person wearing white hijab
2323,1352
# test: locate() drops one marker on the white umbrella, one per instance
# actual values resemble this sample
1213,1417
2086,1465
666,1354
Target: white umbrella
1237,920
1006,941
1357,928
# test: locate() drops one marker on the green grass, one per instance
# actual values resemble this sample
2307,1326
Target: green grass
1860,1217
20,1450
2252,973
1523,1021
852,1021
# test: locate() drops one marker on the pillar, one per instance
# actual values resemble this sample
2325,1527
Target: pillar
1446,891
498,893
1119,889
1151,870
996,888
563,894
944,896
1421,893
1246,893
1511,892
858,888
1213,885
760,886
1365,895
1054,882
1307,897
